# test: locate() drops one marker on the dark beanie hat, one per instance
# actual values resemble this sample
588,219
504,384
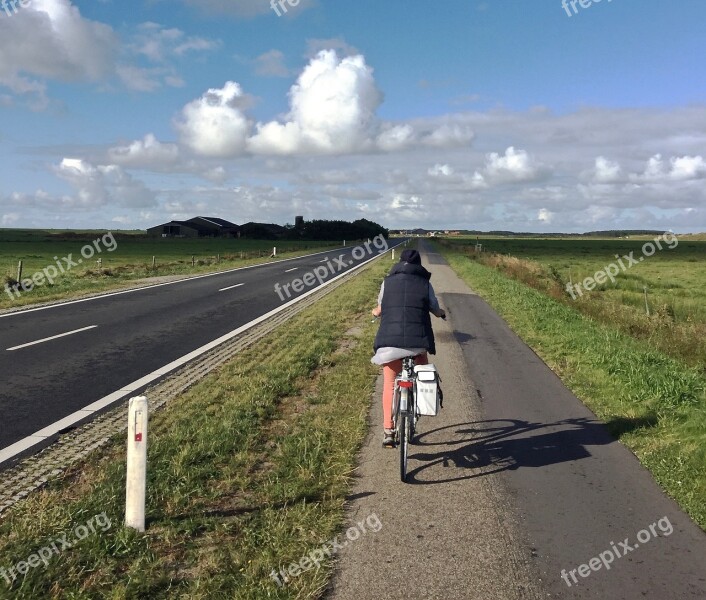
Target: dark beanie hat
411,256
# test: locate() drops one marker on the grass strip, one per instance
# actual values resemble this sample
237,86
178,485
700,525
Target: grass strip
656,404
248,472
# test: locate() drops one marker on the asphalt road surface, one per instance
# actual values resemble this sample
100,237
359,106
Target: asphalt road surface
57,360
515,486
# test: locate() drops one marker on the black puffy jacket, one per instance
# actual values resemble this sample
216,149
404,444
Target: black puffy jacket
405,320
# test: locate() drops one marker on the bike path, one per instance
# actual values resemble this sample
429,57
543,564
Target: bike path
515,482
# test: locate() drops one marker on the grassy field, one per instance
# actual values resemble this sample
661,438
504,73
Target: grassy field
125,257
674,278
653,403
248,472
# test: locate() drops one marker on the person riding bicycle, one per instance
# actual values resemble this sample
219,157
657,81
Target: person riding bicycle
406,298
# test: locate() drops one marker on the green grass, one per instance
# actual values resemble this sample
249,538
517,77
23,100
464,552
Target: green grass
675,280
126,257
656,404
248,472
676,277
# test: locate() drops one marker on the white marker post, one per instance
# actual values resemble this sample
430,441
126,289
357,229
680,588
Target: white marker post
393,254
136,483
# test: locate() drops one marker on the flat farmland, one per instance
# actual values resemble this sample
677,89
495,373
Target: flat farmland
670,283
125,257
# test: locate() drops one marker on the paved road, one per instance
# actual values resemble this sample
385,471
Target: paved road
119,338
514,483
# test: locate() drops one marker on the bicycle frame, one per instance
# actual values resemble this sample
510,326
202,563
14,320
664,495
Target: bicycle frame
404,411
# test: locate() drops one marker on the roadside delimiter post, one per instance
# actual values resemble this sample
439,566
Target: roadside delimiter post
136,483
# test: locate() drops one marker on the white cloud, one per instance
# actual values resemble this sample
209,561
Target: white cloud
9,219
333,108
215,125
513,166
545,216
441,171
145,153
682,168
606,171
49,39
688,167
407,207
396,137
448,135
102,185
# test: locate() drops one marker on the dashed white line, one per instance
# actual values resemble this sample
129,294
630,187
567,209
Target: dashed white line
290,270
30,441
231,287
52,338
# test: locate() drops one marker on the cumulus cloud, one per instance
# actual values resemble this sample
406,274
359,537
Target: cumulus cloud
146,153
449,135
102,185
441,171
332,110
396,137
333,107
545,215
50,39
407,207
606,171
215,125
514,166
681,168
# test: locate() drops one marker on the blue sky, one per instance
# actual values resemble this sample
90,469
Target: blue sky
493,115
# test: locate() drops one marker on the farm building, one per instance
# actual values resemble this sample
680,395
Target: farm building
196,227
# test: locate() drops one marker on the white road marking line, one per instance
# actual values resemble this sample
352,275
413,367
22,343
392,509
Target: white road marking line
156,285
51,338
290,270
38,437
231,287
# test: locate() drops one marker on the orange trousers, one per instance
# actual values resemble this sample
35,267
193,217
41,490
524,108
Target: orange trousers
390,371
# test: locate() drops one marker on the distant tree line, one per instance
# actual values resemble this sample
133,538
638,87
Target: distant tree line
335,230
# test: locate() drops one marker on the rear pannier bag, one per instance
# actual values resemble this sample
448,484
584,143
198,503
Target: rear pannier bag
428,390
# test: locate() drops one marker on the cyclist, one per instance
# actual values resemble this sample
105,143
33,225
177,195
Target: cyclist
406,298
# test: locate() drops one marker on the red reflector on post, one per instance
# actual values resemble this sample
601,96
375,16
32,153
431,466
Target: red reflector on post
406,384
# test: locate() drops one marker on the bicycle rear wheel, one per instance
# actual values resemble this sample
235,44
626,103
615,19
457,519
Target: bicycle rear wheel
404,444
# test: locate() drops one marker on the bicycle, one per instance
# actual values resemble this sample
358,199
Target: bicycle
404,411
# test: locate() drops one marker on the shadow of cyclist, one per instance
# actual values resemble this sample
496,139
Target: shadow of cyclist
492,446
